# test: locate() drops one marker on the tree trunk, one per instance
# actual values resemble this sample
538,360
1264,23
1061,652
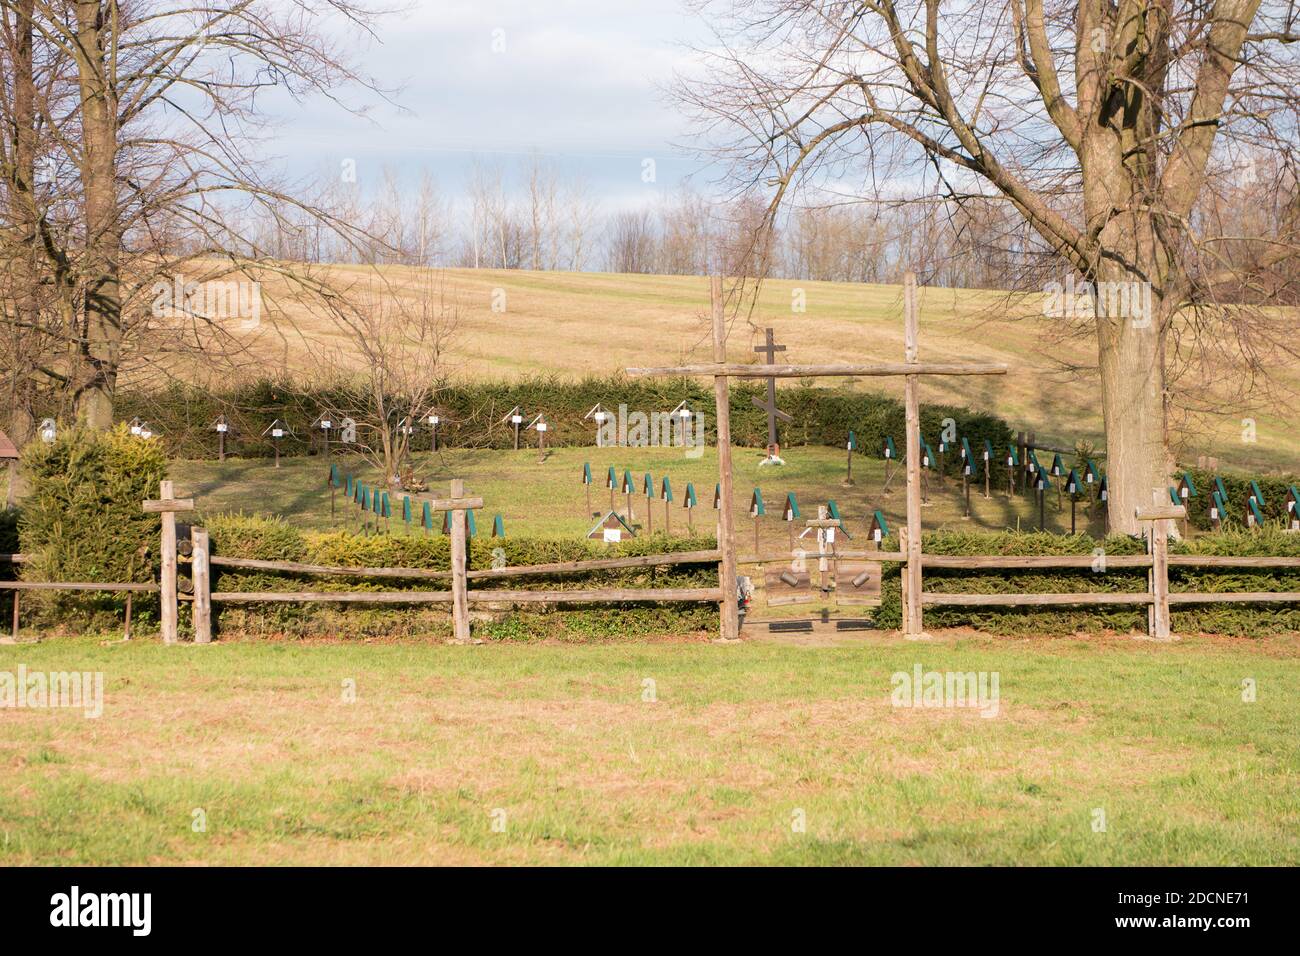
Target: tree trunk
1133,407
101,345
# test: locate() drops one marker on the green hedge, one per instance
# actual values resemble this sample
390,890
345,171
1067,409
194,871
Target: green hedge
1230,619
82,520
183,416
271,539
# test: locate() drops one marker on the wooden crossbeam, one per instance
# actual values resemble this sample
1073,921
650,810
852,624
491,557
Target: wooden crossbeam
878,370
167,505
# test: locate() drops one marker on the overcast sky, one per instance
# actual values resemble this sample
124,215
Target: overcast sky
577,81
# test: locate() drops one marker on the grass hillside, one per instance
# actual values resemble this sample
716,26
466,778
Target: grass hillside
573,324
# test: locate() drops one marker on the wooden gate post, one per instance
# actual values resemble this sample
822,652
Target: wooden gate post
200,571
1158,544
729,608
913,627
167,506
459,582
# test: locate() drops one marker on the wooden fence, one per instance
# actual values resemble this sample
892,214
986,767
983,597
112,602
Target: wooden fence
17,587
1157,562
460,596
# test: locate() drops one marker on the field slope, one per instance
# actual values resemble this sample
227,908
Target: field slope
514,323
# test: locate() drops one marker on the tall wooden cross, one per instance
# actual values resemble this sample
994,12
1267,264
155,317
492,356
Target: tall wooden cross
769,349
167,505
911,369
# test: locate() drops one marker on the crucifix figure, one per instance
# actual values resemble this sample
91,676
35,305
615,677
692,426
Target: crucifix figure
769,349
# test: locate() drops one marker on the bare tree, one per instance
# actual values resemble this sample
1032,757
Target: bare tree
395,329
151,124
1103,125
632,242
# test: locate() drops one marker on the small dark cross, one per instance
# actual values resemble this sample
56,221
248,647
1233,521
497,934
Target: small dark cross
769,349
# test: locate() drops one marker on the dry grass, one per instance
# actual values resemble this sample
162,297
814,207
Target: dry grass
738,743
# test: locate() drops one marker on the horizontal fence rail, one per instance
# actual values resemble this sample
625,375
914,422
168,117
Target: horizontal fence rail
559,567
602,596
1008,562
941,598
143,587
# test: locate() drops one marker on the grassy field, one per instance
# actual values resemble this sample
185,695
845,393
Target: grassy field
572,324
548,500
250,754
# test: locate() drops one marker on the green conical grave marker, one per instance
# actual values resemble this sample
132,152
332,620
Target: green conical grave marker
473,526
648,486
666,490
498,527
1256,493
791,510
853,441
611,480
1255,512
717,497
350,489
406,508
628,484
690,501
1058,467
586,473
426,518
336,477
756,507
879,527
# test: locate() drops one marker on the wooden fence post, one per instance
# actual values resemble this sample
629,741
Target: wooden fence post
169,611
167,505
201,573
459,583
729,609
913,625
1158,544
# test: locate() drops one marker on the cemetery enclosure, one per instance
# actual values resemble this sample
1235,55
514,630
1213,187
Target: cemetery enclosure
458,509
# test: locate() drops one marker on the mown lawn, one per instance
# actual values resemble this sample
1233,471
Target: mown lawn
548,499
562,750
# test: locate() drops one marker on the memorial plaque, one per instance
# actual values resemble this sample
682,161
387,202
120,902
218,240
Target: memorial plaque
787,586
857,582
